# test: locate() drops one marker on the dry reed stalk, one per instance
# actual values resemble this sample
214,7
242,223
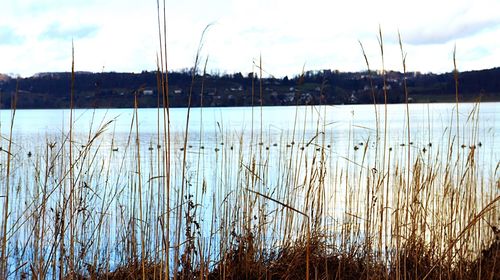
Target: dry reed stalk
162,38
71,166
4,267
409,140
139,183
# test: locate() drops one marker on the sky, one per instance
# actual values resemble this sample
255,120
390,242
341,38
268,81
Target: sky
285,35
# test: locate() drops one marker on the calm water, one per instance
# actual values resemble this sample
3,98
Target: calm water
428,122
339,127
277,145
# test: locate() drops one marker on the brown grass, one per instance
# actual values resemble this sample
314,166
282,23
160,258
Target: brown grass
244,262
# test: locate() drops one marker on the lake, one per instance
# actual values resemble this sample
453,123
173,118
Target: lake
343,125
113,194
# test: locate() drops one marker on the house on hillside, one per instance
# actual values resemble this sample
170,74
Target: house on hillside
353,98
147,92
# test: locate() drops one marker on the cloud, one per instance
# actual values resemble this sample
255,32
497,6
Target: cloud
445,34
286,33
9,37
444,22
57,31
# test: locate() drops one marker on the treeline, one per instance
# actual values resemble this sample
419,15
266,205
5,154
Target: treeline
118,90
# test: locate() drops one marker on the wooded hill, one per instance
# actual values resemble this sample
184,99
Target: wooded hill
117,90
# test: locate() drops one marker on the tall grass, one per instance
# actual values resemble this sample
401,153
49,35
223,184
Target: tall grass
262,213
4,258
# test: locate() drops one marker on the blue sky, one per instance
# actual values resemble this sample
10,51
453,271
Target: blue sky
122,35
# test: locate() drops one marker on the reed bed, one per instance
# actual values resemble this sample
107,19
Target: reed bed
271,205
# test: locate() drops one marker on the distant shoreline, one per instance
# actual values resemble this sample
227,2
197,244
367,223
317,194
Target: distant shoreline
118,90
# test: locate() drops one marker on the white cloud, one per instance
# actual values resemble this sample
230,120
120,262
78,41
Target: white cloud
322,34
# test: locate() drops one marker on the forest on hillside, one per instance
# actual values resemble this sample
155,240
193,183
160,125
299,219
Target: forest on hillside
118,90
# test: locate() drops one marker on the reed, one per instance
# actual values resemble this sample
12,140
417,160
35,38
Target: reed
5,218
253,200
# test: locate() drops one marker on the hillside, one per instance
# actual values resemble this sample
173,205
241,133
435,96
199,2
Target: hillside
117,90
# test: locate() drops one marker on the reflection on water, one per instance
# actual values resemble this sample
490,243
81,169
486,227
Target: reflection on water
342,130
115,185
343,125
